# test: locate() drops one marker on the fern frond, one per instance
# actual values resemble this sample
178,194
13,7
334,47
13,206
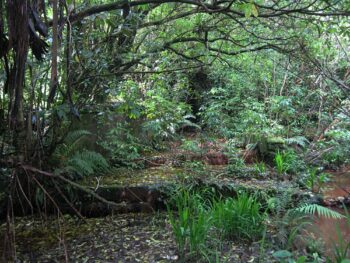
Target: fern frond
73,136
297,140
86,163
313,209
189,123
73,141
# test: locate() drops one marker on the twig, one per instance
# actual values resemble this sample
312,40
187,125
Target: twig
23,193
98,183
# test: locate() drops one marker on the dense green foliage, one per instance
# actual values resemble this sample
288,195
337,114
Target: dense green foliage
259,88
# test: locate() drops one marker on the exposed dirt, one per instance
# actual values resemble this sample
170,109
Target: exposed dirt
330,232
339,186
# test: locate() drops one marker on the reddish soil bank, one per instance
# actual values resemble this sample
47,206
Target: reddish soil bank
328,230
216,158
339,185
334,231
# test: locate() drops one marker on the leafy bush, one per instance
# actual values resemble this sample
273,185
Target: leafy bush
191,146
236,163
288,162
335,147
338,141
156,112
260,168
122,146
281,165
163,115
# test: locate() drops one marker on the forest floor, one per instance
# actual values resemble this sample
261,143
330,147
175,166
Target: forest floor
119,238
147,237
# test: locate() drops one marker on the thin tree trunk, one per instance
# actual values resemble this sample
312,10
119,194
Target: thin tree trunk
54,51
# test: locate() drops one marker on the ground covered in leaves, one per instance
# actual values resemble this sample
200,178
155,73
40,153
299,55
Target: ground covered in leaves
119,238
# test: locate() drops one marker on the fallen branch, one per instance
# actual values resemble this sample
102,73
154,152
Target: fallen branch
315,155
76,185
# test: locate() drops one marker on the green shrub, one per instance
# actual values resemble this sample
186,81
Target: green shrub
281,165
191,146
260,168
335,146
122,146
315,181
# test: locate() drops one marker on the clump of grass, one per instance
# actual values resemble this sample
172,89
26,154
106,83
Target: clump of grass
190,222
281,165
260,168
314,180
239,218
193,214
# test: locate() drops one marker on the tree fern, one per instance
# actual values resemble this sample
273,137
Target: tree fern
313,209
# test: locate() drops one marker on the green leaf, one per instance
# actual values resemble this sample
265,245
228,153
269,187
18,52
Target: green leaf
282,254
247,10
254,10
301,259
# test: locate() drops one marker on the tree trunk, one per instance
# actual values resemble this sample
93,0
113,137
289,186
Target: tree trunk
19,40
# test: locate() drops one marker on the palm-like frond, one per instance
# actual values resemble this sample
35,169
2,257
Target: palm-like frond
73,142
313,209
